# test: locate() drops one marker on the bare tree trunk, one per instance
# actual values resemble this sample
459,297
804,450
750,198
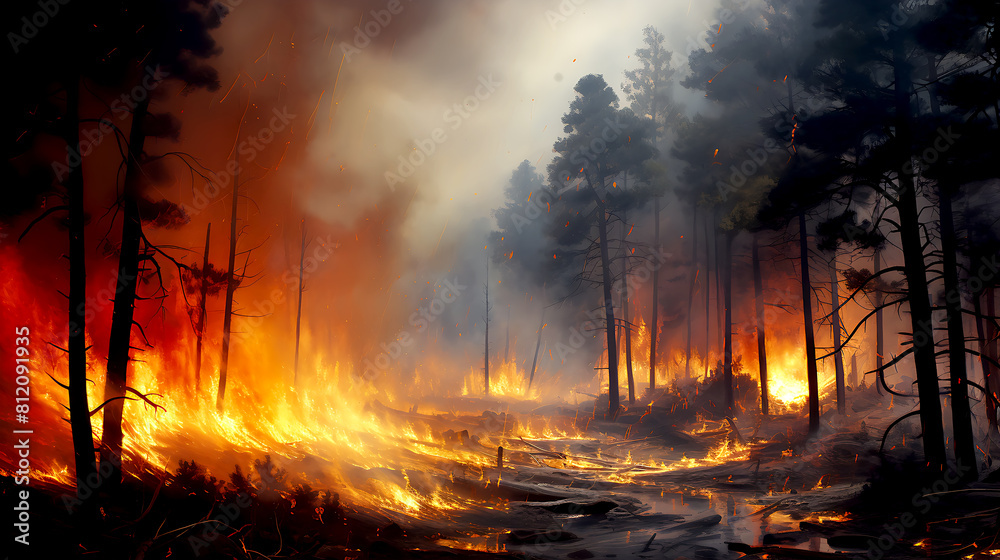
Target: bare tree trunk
991,331
298,312
720,270
838,354
879,326
727,267
708,301
758,292
655,319
506,346
961,415
921,319
538,344
79,408
609,312
122,315
654,325
984,361
628,355
691,290
227,321
202,312
811,373
486,353
853,379
625,315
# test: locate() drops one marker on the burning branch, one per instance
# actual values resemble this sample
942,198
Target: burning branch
127,398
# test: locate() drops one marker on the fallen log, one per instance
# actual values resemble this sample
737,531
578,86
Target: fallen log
785,552
575,506
528,536
698,524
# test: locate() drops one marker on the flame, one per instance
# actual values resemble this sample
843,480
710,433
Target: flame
366,450
472,541
724,452
508,379
337,429
787,384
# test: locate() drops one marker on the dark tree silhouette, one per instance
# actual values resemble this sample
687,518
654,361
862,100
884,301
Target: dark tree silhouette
649,94
603,144
176,56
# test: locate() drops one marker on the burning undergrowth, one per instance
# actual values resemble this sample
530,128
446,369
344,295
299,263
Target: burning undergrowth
698,475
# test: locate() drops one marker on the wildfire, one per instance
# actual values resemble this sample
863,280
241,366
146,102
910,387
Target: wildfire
471,541
58,474
337,428
787,384
724,452
367,451
786,389
507,379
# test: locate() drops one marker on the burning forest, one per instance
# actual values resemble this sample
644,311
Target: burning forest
500,279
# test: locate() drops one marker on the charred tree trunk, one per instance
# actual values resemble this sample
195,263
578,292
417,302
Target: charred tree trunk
691,291
227,321
992,332
838,354
298,312
991,328
758,292
807,316
486,352
625,315
609,309
654,325
122,316
538,345
202,312
628,354
727,267
79,408
720,271
918,295
853,379
506,346
879,326
961,415
708,301
984,361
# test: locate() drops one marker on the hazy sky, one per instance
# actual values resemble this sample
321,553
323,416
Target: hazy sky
361,101
424,60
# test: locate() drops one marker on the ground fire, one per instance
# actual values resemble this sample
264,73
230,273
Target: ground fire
360,280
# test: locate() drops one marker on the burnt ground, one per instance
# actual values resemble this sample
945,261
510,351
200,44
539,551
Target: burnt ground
659,481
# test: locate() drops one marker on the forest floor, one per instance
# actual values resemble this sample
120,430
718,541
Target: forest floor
658,481
648,486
